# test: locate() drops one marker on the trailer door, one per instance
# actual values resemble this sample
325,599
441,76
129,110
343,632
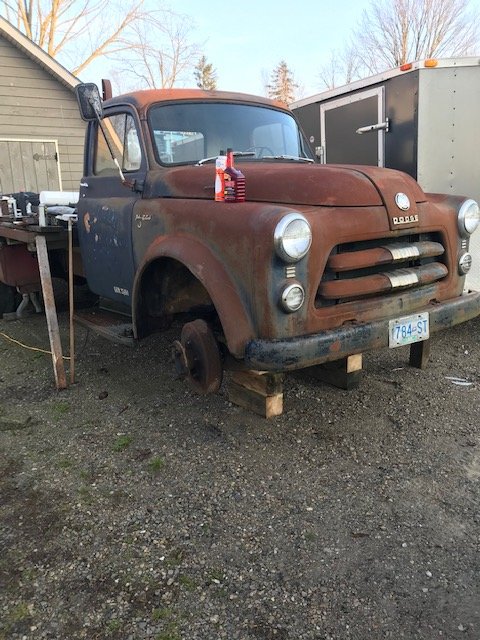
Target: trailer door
342,118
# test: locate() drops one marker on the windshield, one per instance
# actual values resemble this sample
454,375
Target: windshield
189,132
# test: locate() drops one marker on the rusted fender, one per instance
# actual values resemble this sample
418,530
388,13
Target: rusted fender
197,258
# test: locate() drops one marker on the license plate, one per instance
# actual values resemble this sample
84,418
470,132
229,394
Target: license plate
408,329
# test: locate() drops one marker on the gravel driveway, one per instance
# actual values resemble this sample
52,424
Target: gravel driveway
133,509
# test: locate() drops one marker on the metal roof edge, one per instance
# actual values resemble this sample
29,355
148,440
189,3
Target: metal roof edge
471,61
37,54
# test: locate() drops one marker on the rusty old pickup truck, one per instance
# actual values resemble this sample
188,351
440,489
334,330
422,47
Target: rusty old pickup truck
319,263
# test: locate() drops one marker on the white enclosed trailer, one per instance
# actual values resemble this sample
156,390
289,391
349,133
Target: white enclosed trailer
423,118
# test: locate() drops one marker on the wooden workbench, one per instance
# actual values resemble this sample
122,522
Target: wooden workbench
40,240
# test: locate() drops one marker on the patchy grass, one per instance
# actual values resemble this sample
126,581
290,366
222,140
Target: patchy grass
58,410
156,465
188,583
85,495
169,633
122,443
215,576
162,614
175,558
18,613
65,463
113,626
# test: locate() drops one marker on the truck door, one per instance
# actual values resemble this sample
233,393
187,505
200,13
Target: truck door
342,118
106,206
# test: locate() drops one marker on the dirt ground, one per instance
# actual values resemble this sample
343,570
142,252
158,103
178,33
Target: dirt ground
132,508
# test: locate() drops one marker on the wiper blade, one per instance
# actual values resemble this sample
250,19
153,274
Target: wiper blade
205,160
296,158
241,154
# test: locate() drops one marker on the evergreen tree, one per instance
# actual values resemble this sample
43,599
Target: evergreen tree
282,84
205,75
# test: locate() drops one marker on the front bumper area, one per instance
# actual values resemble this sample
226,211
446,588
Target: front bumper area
327,346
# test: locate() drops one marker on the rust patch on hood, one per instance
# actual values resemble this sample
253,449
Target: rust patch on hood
296,184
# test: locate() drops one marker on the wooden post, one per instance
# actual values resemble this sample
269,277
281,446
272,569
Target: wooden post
70,301
344,374
420,354
257,391
50,312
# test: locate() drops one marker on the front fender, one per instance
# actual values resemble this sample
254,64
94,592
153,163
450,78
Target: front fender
225,294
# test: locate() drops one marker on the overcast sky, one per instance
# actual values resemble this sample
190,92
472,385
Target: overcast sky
245,40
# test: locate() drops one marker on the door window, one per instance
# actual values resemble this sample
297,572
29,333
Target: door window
122,135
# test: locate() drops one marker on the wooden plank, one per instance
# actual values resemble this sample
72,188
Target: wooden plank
51,313
30,176
53,101
38,88
259,381
38,158
49,120
39,131
6,177
420,354
344,374
267,406
14,69
15,158
51,165
54,110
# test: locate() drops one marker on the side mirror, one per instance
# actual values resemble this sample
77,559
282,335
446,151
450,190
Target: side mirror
89,101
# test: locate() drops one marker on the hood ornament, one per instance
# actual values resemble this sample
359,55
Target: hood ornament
402,201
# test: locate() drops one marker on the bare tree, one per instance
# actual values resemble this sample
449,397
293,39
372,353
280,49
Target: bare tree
341,68
393,32
282,84
163,53
76,32
205,75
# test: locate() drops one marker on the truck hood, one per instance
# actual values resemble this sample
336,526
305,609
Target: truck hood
292,183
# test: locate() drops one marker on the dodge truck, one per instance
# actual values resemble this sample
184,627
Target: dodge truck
321,262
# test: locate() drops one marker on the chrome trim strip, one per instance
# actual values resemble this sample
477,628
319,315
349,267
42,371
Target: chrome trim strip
290,271
402,251
402,278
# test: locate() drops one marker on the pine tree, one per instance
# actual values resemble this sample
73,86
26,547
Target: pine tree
205,75
282,84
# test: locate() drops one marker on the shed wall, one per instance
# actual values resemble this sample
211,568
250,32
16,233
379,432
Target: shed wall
34,105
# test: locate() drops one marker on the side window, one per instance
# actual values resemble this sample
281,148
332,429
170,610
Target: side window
123,137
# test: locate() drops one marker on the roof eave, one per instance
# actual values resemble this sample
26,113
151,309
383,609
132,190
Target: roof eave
37,54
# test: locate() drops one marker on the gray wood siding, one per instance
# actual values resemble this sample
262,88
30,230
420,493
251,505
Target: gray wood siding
34,105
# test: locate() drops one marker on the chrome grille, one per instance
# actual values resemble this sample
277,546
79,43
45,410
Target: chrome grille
378,267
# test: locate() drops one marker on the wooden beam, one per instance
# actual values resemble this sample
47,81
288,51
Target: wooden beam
344,374
50,312
257,391
420,354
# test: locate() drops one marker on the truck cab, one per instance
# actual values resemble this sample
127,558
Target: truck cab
319,263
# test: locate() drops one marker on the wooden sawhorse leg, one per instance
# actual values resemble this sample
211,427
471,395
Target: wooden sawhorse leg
50,312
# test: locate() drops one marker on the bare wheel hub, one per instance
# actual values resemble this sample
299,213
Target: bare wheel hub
196,357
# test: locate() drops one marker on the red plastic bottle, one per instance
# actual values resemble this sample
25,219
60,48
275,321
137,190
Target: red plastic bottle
220,165
234,181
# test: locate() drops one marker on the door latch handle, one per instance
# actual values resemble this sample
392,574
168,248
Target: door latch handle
374,127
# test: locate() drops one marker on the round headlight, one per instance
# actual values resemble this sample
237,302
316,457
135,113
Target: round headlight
293,297
292,237
468,217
